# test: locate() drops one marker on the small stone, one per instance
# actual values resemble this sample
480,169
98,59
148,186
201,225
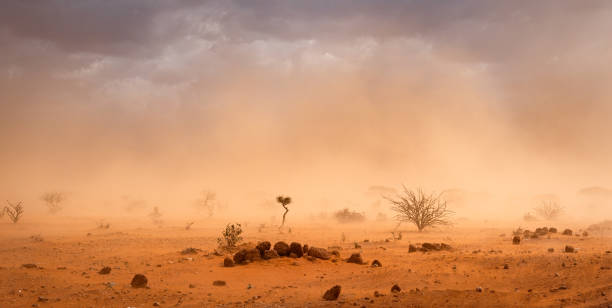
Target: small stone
192,286
228,262
139,281
551,250
506,266
105,270
270,254
43,299
29,265
412,248
395,289
516,240
376,263
332,294
156,304
478,289
569,248
219,283
355,258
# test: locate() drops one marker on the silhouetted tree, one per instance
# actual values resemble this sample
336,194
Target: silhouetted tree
53,201
284,201
420,209
14,211
549,210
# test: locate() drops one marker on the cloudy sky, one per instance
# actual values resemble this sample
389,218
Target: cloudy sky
304,96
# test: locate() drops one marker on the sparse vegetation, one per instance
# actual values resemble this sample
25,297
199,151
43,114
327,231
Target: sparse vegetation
188,225
13,211
156,217
230,237
284,201
348,216
103,225
53,200
420,209
548,210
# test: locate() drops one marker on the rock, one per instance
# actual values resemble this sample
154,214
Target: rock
332,294
445,246
105,270
244,255
429,246
357,246
355,258
43,299
412,248
292,255
192,286
282,249
320,253
552,230
395,289
139,281
335,253
263,246
478,289
228,262
305,249
156,304
569,248
506,266
551,250
190,251
270,254
297,249
585,234
516,240
567,232
219,283
29,265
376,263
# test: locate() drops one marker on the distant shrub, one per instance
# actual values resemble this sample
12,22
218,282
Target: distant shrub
348,216
230,237
13,211
155,217
529,217
53,201
549,210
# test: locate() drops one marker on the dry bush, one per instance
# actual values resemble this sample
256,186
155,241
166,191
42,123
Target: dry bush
103,225
53,201
548,210
601,228
230,237
155,217
207,201
348,216
13,211
420,209
188,225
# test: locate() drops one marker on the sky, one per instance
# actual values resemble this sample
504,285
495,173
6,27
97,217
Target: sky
157,100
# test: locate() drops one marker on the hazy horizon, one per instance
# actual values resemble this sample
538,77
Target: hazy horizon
154,101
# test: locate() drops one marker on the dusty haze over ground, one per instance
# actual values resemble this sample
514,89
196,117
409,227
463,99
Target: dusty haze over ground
153,101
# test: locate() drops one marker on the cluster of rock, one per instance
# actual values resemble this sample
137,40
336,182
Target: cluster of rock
425,247
265,251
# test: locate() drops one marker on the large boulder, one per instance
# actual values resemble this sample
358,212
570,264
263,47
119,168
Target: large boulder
282,249
263,246
296,248
567,232
320,253
270,254
228,262
305,249
244,255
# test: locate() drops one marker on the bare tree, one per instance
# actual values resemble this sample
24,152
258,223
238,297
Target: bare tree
549,210
14,211
284,201
53,201
420,209
207,201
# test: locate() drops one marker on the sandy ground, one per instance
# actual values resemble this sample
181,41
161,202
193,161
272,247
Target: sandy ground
68,263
